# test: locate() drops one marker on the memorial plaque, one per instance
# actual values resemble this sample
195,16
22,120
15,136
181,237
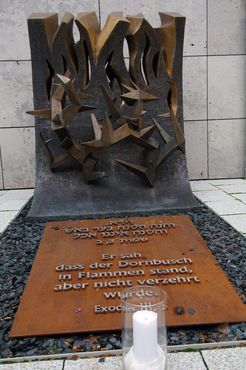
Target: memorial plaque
81,268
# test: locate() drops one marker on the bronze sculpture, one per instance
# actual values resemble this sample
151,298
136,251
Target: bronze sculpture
95,115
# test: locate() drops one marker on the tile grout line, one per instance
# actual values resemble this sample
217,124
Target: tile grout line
14,60
203,359
215,119
185,56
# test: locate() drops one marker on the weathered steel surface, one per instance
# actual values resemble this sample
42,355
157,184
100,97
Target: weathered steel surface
108,255
109,139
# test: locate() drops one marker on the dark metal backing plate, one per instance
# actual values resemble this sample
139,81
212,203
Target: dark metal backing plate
198,291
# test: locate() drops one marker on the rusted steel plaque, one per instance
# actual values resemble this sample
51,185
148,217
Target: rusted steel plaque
82,266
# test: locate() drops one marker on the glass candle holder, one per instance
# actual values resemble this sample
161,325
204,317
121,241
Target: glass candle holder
144,336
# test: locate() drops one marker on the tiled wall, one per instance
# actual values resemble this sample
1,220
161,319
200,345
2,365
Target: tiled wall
214,82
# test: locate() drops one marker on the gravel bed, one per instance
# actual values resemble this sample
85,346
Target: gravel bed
18,246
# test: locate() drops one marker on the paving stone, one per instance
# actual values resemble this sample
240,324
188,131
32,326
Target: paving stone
234,189
11,205
108,363
225,359
241,197
19,194
175,361
5,218
237,221
2,192
35,365
185,361
227,207
208,196
202,185
227,182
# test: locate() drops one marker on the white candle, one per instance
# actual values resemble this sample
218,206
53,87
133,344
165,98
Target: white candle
145,347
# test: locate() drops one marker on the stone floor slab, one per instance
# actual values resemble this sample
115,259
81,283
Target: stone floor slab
233,189
11,205
227,182
35,365
237,221
2,192
241,197
209,196
203,185
5,218
108,363
175,361
227,207
185,361
18,194
225,359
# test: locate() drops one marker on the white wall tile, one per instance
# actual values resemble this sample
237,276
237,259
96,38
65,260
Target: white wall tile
226,27
18,157
13,21
195,88
196,149
226,87
16,94
193,10
226,143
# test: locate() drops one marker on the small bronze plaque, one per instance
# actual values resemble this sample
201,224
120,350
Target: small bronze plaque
82,266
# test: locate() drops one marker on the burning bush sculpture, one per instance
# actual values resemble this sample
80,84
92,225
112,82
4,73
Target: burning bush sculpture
109,138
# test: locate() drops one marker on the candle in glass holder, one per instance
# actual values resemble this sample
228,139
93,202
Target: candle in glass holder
145,352
144,328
